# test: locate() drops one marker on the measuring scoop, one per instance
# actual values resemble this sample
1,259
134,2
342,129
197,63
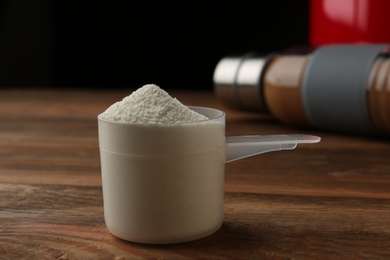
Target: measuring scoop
164,183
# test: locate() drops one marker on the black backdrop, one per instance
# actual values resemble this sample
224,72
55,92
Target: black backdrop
116,44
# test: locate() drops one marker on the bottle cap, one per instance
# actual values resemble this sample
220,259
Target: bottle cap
238,81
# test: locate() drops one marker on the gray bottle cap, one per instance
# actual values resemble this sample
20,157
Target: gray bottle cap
335,85
238,81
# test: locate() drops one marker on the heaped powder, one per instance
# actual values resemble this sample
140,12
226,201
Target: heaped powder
151,105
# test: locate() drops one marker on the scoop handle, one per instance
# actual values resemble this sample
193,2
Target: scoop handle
239,147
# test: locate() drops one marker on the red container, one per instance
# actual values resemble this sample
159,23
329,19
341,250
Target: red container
349,21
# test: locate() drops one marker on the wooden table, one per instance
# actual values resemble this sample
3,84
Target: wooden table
329,200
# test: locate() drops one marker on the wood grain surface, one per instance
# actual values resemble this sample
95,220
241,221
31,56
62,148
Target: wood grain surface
329,200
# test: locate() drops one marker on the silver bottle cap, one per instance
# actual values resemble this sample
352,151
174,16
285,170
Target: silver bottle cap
238,81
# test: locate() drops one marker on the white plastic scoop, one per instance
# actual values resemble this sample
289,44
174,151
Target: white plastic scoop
175,172
238,147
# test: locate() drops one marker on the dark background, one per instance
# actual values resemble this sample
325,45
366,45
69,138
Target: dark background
117,44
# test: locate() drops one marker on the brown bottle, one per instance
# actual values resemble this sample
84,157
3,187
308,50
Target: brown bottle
344,88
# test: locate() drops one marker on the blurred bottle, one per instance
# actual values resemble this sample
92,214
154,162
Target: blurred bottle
341,82
337,87
349,21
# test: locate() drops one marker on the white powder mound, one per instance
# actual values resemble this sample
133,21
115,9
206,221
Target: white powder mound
150,105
